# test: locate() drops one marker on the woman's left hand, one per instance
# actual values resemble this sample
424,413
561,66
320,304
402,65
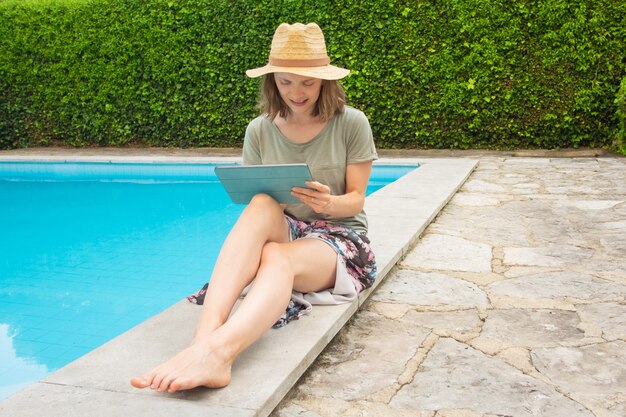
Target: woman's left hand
317,196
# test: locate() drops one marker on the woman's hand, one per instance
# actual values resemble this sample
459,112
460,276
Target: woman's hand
317,196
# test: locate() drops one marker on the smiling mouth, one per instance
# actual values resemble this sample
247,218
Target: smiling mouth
299,102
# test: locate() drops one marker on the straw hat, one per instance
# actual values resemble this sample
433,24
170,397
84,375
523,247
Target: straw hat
300,49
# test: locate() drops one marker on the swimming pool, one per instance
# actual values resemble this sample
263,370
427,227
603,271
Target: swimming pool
90,250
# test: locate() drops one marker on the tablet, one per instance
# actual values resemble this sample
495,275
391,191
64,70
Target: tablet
242,182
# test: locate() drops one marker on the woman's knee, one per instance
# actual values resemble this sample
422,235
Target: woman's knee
263,202
263,212
275,254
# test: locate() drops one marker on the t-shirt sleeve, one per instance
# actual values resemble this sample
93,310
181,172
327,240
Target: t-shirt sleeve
251,152
360,140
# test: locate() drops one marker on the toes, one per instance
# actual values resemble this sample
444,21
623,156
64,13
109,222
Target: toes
139,382
156,381
176,385
165,383
144,381
181,383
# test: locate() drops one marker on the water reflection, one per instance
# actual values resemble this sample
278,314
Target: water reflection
17,372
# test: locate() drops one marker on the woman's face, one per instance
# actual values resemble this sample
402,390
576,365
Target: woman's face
299,92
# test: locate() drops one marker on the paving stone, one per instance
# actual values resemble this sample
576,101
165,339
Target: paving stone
525,186
429,289
589,204
613,225
591,371
523,271
456,376
528,163
513,179
610,271
372,345
590,222
495,229
338,408
294,410
609,317
461,324
527,210
482,186
590,189
537,217
558,285
541,197
529,328
389,310
552,228
614,246
553,255
618,409
450,253
474,200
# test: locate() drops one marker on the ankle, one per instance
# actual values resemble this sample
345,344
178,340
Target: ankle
222,352
204,329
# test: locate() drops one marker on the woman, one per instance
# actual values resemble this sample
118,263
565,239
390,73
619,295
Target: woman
318,248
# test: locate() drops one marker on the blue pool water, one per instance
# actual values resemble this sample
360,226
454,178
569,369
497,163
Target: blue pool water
89,250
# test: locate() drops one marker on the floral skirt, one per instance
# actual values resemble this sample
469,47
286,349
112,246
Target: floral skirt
353,249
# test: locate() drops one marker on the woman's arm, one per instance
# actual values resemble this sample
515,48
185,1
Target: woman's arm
349,204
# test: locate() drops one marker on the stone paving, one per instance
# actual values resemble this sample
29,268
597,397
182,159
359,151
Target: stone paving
513,303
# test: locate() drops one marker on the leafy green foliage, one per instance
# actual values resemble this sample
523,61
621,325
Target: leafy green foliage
429,73
620,134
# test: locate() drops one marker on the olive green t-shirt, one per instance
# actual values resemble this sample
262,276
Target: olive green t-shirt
346,139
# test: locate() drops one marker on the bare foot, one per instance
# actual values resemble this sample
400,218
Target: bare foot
198,365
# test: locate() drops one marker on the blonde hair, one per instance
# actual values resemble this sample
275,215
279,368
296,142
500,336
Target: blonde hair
330,103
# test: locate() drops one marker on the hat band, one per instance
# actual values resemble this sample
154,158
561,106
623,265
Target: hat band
318,62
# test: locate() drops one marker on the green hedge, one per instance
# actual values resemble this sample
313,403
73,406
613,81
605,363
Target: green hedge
620,134
497,74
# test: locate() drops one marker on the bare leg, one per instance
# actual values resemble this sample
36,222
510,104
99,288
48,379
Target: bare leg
262,221
219,339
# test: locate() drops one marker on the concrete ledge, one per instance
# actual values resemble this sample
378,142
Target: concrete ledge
97,384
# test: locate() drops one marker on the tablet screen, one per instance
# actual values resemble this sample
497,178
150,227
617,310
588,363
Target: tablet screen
242,182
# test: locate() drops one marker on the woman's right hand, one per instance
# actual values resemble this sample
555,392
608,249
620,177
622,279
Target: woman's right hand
317,196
